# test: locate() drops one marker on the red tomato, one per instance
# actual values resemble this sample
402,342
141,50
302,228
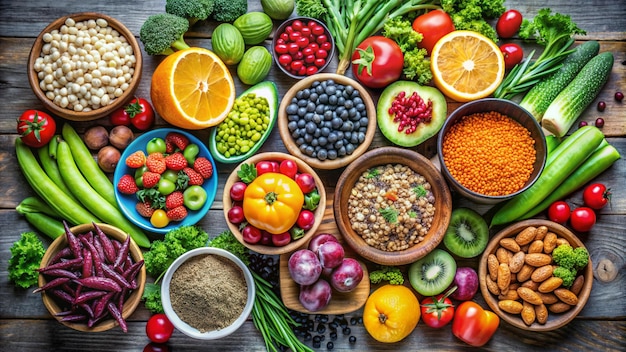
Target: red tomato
513,54
251,234
138,112
432,25
159,328
559,211
281,239
596,196
288,168
438,311
583,219
306,182
474,325
264,167
235,215
306,219
508,24
36,128
377,62
237,190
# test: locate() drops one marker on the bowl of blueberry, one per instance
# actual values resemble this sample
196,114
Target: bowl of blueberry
327,120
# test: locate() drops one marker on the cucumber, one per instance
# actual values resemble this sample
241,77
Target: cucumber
574,99
539,97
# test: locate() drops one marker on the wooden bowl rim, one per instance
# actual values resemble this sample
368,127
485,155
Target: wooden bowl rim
291,145
393,155
131,302
555,320
319,212
68,114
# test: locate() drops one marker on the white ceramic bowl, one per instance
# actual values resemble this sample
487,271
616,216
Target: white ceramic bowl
188,329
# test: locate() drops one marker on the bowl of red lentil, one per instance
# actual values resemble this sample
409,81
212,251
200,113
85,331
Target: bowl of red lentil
207,293
83,66
392,206
491,150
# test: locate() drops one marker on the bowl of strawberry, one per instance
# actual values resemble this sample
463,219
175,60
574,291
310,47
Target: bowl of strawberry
302,47
273,203
166,178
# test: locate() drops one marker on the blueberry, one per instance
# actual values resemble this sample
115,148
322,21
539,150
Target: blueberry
332,154
352,339
347,126
310,127
322,141
322,154
325,131
292,126
323,98
330,345
331,90
317,118
346,331
291,109
332,100
308,137
349,148
301,123
302,111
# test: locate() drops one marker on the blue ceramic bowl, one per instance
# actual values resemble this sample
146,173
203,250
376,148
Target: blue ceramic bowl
127,202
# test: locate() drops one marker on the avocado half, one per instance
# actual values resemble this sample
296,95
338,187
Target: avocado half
424,131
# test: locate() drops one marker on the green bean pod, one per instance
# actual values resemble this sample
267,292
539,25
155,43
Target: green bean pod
88,166
51,168
566,159
597,163
67,207
34,204
47,225
91,199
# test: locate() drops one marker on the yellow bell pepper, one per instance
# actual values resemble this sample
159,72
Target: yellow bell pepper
272,202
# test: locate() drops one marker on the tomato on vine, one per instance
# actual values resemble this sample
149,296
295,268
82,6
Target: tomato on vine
138,113
596,196
36,128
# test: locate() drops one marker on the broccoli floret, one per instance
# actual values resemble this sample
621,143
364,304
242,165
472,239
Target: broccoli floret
417,66
176,242
568,275
387,273
472,15
401,31
311,8
26,255
192,10
162,34
570,258
152,298
229,10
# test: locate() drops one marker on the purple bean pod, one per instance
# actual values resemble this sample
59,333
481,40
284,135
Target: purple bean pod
52,284
72,241
63,264
131,273
87,308
107,245
97,260
63,253
100,306
121,298
61,273
87,263
63,295
98,246
115,276
123,252
99,283
88,296
117,315
73,318
69,289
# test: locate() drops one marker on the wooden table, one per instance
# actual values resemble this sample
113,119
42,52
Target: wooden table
25,325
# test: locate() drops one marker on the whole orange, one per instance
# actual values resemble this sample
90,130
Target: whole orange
391,313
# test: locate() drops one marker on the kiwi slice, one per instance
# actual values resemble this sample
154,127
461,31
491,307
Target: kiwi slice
467,234
432,274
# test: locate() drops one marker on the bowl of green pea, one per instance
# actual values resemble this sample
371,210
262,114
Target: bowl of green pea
247,126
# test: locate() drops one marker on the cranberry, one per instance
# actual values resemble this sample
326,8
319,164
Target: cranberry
599,122
601,106
582,124
619,96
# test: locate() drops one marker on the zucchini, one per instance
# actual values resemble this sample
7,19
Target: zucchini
567,157
597,163
574,99
49,226
539,97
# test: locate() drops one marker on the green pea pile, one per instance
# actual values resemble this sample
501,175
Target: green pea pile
244,126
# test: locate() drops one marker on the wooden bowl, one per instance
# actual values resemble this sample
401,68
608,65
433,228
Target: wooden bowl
340,302
419,164
319,211
116,103
555,320
131,301
290,143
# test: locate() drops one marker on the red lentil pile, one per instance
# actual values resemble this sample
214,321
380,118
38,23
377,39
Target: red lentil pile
489,153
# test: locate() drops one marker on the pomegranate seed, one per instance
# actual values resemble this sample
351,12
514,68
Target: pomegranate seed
409,112
601,106
599,122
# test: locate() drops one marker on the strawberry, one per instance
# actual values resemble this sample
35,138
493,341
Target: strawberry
194,177
136,159
176,161
177,214
169,147
156,163
178,140
203,166
174,199
150,179
127,185
144,209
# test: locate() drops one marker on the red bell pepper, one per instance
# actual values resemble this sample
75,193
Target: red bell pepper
474,325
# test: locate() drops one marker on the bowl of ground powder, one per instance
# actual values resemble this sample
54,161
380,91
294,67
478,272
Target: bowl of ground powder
207,293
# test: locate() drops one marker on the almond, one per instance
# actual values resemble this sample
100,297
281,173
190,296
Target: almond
542,273
541,312
492,286
549,242
550,284
528,313
492,266
529,295
531,285
503,255
577,286
538,259
510,244
566,296
510,306
517,262
561,240
511,294
559,307
504,277
541,232
526,235
536,246
548,298
524,273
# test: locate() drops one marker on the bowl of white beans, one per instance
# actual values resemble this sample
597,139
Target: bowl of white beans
83,66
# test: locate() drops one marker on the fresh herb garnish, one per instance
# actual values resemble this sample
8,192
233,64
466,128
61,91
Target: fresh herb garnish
247,173
390,214
372,173
420,191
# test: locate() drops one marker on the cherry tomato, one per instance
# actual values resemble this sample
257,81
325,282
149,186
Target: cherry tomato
237,190
159,328
306,219
583,219
281,239
36,128
513,54
596,196
559,211
306,182
138,112
377,62
251,234
264,167
235,215
288,168
433,25
438,311
508,24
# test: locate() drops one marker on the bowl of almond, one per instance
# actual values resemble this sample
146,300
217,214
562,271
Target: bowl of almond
536,275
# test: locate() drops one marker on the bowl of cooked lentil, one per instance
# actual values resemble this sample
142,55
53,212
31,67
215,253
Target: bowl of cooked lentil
83,66
490,150
207,293
392,206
